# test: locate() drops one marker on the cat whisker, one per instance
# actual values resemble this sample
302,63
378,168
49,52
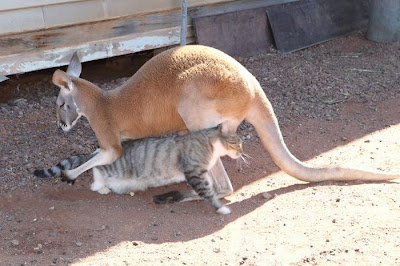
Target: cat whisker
243,158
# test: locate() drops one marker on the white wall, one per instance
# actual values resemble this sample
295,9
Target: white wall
28,15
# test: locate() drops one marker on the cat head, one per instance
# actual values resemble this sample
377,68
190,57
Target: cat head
231,143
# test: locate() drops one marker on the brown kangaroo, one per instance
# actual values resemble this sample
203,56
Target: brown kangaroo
186,88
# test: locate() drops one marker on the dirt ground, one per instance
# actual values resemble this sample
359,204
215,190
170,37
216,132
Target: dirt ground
338,103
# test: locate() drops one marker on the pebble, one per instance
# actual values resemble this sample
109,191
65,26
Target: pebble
216,250
343,138
10,218
15,242
267,196
178,233
132,194
20,102
38,248
103,227
78,243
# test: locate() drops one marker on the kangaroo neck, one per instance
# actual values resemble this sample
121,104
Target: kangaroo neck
87,96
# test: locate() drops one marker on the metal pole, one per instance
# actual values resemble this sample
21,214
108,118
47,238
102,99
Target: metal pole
183,22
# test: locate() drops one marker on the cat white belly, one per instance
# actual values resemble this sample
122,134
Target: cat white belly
104,184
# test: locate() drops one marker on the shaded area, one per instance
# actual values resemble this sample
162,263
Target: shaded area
303,23
304,222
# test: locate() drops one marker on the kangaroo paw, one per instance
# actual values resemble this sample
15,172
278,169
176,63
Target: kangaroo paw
69,181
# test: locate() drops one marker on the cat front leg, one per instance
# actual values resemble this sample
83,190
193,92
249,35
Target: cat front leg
204,188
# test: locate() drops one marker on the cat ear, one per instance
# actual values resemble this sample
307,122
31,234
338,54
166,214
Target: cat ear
62,80
223,129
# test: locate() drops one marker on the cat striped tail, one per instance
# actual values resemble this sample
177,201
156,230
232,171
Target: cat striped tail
66,164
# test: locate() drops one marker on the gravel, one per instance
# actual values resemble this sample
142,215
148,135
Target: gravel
310,83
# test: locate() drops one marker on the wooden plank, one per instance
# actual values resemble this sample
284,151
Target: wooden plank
11,21
232,6
24,52
45,49
23,4
117,8
301,24
235,33
73,13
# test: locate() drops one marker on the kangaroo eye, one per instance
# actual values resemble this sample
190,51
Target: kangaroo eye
61,105
68,107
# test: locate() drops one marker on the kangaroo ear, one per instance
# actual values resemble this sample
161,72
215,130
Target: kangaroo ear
75,66
62,80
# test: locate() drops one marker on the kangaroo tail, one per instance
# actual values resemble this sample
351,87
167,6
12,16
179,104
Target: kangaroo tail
262,117
66,164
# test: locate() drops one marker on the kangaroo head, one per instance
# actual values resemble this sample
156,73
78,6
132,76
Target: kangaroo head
67,110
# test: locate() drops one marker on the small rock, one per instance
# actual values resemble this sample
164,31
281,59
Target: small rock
38,248
268,196
132,194
103,227
343,138
334,221
216,250
51,208
135,243
10,218
15,242
20,102
178,233
78,243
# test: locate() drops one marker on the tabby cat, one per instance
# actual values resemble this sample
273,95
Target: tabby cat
155,162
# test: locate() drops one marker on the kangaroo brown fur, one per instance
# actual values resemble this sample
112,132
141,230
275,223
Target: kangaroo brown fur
191,87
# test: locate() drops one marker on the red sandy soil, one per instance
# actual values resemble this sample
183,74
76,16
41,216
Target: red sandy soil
335,116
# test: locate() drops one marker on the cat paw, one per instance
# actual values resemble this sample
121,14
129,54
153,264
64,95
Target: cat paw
224,210
104,190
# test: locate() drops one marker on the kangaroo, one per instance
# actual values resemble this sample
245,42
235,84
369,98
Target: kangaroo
190,87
